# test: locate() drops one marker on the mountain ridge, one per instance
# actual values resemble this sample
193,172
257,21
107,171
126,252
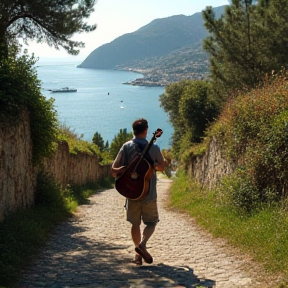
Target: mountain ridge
166,50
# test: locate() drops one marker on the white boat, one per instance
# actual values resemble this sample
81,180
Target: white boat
65,89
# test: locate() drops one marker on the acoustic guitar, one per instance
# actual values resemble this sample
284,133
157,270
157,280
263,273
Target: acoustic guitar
134,182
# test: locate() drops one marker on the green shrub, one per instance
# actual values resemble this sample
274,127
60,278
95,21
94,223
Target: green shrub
48,192
253,134
191,105
76,144
240,192
20,89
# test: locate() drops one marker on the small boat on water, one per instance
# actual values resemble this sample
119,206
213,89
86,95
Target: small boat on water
65,89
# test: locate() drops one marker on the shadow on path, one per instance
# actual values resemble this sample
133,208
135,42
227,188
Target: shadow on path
73,260
162,275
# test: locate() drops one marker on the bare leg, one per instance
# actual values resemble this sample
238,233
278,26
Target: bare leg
141,248
136,234
147,233
136,237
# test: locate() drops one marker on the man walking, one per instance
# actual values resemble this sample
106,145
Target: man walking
140,210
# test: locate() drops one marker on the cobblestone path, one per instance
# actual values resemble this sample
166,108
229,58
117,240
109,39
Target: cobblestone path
94,249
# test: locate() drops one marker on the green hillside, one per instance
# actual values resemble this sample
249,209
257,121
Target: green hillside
169,47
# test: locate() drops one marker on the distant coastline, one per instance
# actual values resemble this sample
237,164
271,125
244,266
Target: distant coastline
149,78
156,77
144,82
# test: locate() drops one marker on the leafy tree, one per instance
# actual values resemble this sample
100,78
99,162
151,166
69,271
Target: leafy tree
274,32
118,141
169,101
106,147
98,140
198,107
191,105
230,46
246,43
47,21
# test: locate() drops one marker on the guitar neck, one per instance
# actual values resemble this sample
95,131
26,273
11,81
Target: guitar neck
156,135
148,146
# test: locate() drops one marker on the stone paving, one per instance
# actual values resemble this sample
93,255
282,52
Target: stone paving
94,249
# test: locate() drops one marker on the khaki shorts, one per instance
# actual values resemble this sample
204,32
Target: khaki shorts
139,210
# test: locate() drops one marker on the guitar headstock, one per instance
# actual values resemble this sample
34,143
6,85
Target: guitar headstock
158,133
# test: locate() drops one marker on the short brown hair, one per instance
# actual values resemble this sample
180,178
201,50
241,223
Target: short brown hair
139,126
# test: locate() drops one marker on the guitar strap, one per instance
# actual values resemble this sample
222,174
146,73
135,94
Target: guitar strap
141,147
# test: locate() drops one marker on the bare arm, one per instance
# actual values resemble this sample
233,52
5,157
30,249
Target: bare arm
117,172
118,167
160,166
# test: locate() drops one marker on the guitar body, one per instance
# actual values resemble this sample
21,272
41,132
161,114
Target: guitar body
134,183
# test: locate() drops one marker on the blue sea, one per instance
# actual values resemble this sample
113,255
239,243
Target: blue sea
102,102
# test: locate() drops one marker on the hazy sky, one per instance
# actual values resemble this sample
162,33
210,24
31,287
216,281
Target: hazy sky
117,17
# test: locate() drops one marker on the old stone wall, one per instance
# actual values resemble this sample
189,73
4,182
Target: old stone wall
67,168
18,175
209,169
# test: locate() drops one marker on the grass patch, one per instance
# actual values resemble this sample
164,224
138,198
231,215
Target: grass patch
77,145
21,235
75,142
263,234
81,193
26,231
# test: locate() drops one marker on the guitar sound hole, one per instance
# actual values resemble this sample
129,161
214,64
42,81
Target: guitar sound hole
134,175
